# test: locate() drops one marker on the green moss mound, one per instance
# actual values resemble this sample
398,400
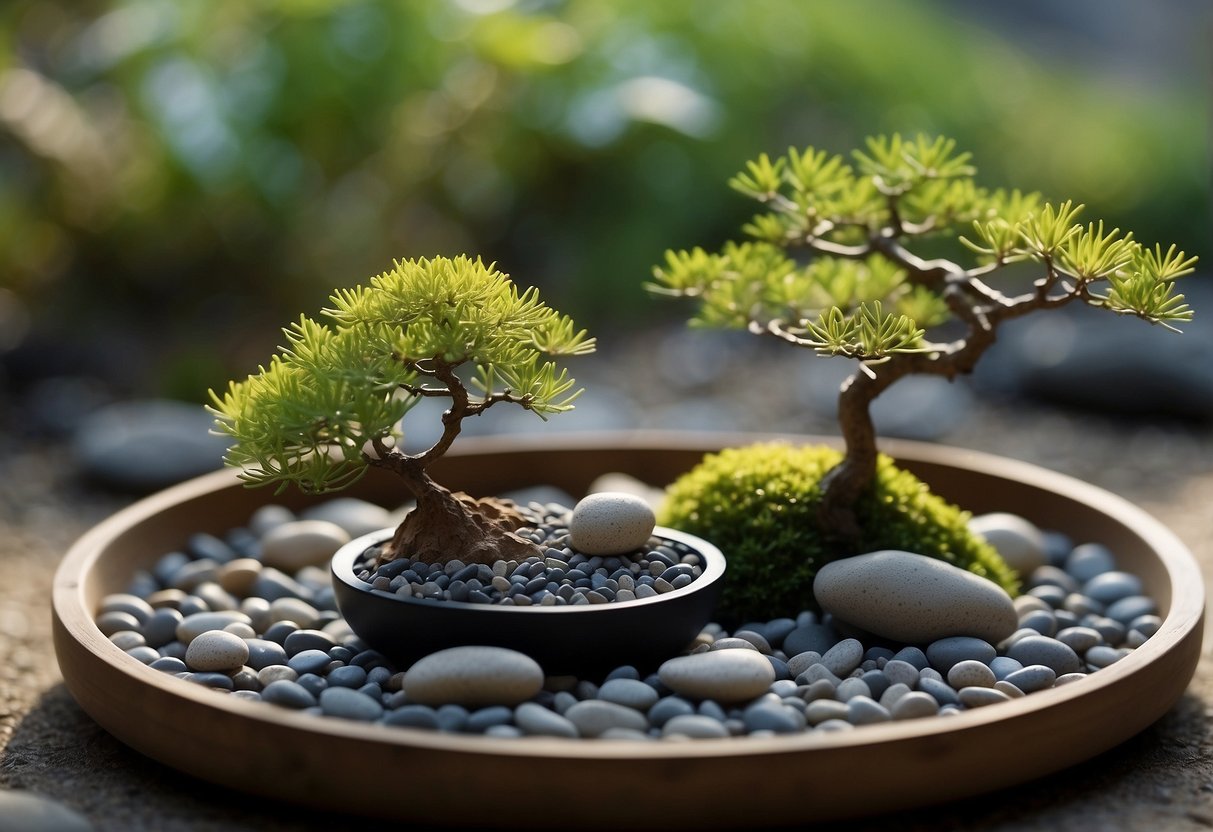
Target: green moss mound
759,505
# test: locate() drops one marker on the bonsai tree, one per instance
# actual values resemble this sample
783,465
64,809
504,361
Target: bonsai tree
861,286
837,263
330,404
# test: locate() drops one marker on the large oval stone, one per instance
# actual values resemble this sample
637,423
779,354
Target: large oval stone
473,676
723,675
913,598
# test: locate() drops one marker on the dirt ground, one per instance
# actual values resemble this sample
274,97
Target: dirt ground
1159,780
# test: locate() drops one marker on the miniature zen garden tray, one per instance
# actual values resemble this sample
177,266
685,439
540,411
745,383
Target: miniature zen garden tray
770,780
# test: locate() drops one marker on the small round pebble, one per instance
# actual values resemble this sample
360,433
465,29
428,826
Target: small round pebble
971,673
537,720
610,523
216,650
631,693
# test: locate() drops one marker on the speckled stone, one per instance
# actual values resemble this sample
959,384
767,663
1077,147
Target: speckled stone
912,598
726,675
1018,541
194,625
474,676
610,523
216,650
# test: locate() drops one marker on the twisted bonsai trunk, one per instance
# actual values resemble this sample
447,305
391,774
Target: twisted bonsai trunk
446,526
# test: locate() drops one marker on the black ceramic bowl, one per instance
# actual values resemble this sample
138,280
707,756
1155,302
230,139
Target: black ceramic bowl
579,639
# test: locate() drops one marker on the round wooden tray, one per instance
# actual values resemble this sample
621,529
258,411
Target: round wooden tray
741,782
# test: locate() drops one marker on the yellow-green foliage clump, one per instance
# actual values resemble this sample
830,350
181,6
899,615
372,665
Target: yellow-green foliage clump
759,505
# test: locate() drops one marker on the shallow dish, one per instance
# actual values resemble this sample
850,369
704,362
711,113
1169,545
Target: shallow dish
778,780
562,639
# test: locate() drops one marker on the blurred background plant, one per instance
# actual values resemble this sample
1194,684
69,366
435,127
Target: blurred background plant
178,178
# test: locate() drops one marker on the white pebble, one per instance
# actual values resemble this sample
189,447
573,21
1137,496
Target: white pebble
610,523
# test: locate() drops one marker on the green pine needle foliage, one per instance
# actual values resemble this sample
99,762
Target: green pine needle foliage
856,225
424,329
759,505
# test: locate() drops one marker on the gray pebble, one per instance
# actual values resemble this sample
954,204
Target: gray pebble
1067,678
1079,639
913,598
876,681
412,716
912,655
481,720
1134,606
309,661
592,717
978,697
941,692
216,650
862,710
349,704
823,710
817,638
946,652
631,693
1042,621
537,720
115,622
733,644
892,694
288,694
1047,651
1052,576
901,672
971,673
1102,656
848,689
695,727
778,718
802,661
263,653
1088,560
132,605
1108,587
843,657
1003,666
194,625
914,705
144,654
726,675
474,675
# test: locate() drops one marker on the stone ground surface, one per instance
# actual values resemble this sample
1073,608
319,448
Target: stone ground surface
1160,780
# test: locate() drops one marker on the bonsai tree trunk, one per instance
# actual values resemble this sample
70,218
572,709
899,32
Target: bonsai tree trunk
445,525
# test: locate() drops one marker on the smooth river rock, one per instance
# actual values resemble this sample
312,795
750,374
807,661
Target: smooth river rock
611,523
724,675
300,543
217,650
1017,540
473,676
913,598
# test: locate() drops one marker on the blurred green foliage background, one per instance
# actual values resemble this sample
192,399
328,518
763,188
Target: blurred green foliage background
178,178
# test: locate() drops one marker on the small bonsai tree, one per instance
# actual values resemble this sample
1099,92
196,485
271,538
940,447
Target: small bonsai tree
330,405
862,288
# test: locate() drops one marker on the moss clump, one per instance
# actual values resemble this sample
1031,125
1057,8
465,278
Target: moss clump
759,505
